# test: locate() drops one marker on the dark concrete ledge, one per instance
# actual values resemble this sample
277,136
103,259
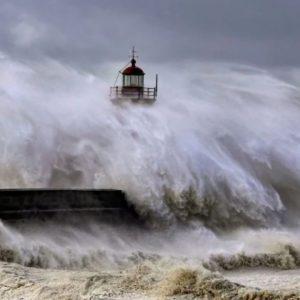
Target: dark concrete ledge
15,202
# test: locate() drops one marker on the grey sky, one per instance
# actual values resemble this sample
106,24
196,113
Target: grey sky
84,33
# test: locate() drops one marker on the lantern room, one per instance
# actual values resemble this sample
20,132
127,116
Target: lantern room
133,76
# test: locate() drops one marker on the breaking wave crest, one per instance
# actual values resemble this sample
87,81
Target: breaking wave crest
197,284
288,258
92,245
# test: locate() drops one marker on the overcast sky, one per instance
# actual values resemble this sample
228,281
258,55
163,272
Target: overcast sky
85,33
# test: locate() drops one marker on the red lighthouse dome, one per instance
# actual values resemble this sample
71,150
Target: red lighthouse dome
133,69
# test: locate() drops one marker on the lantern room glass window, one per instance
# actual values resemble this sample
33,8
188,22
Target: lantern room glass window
133,80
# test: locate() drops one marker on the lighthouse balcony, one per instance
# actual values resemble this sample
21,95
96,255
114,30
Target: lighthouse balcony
135,94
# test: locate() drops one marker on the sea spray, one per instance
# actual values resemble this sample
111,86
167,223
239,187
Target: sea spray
228,133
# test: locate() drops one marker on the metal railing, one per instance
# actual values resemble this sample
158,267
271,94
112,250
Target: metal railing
143,93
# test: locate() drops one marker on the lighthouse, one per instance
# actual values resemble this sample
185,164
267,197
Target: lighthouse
132,87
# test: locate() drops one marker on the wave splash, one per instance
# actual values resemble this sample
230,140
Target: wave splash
221,145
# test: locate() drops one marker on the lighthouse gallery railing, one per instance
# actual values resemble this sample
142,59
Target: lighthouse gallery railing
142,93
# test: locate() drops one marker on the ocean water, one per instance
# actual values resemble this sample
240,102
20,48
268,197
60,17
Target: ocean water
212,168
